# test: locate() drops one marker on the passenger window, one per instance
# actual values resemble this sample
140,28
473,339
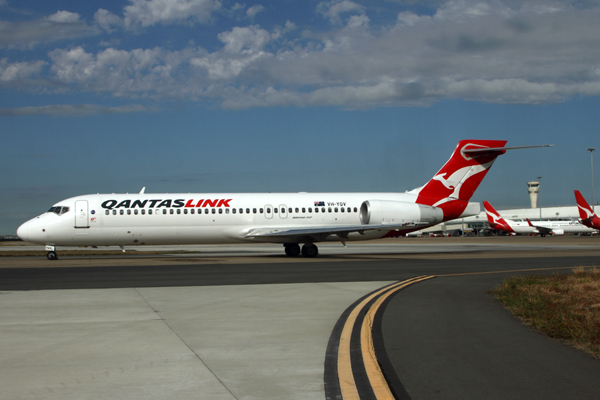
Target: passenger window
248,211
106,212
349,209
192,211
329,209
335,209
135,212
297,210
322,209
143,212
316,210
114,212
220,211
233,210
206,211
275,211
310,209
254,210
121,212
164,210
268,211
149,212
342,209
355,209
227,211
261,211
128,212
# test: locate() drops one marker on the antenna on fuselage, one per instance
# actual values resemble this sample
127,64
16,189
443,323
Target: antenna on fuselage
143,189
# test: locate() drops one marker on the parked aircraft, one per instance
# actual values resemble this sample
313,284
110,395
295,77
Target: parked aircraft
286,218
542,228
498,223
588,216
558,227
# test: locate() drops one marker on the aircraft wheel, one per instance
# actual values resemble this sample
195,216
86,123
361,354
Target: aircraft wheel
52,255
292,249
310,250
542,235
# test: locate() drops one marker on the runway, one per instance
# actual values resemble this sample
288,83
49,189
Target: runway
151,327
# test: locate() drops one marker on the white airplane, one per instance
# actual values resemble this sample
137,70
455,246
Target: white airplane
559,227
287,218
542,228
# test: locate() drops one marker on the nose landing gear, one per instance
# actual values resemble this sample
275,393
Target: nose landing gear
51,253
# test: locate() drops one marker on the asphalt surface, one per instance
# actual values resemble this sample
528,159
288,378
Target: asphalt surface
445,338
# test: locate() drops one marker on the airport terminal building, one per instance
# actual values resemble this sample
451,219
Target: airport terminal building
479,222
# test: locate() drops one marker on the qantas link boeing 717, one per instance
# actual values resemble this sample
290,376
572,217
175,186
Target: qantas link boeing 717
287,218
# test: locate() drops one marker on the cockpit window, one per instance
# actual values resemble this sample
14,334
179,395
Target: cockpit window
59,210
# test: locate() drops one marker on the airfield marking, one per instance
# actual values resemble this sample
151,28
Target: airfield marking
362,317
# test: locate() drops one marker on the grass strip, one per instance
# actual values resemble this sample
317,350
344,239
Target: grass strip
564,307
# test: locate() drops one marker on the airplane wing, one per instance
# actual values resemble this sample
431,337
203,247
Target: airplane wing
321,233
541,229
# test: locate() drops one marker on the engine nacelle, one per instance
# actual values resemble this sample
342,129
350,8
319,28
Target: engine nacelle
374,212
558,231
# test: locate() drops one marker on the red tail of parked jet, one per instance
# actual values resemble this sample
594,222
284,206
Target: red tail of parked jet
452,187
587,215
495,219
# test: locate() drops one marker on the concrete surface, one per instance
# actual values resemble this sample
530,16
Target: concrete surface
220,342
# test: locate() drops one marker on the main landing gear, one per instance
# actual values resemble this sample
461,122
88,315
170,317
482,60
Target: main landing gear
308,250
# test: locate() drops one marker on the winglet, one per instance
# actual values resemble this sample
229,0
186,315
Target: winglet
528,221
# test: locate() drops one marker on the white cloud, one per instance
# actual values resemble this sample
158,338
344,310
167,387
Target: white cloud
334,9
107,20
252,11
59,26
64,17
66,110
150,12
243,47
19,71
489,52
250,39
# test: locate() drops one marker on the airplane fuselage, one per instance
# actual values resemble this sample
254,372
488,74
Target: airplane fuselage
151,219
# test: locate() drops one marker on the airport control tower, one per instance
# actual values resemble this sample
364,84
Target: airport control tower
533,188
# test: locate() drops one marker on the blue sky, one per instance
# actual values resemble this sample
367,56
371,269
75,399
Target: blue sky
226,96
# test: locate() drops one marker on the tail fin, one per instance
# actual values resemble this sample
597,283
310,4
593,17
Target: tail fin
454,184
585,211
587,215
495,219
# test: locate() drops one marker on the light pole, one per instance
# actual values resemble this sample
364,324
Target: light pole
539,202
591,150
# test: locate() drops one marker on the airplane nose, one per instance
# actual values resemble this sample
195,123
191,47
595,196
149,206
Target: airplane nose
23,231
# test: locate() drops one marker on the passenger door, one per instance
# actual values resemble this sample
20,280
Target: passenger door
82,218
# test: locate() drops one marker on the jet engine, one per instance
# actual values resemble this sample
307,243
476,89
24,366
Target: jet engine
374,212
558,231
